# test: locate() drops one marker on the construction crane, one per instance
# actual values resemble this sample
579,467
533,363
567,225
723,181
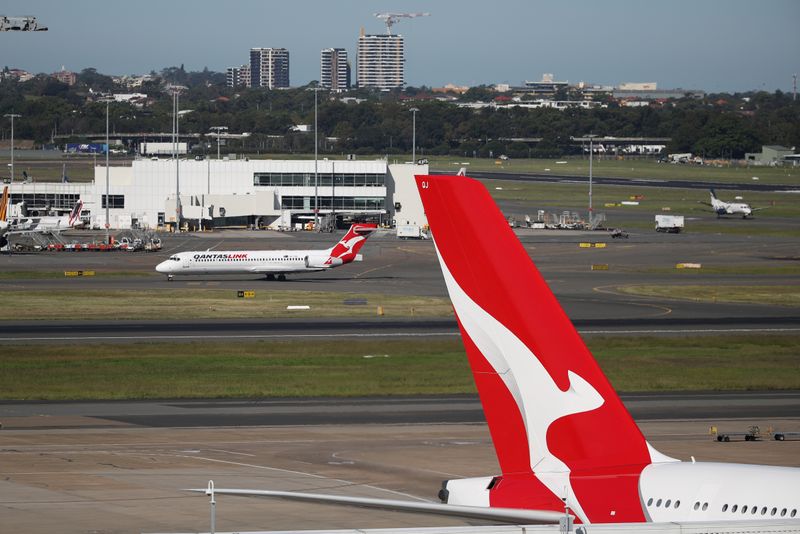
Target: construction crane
20,24
393,18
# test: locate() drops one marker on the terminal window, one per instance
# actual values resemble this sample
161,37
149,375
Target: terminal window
114,201
323,179
338,203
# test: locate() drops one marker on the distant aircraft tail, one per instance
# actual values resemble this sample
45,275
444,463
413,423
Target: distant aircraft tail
75,214
559,429
713,194
4,205
347,248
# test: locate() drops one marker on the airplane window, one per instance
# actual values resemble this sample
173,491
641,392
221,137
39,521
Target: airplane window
794,512
735,507
783,512
705,506
677,504
650,501
763,510
658,502
696,505
724,507
773,511
666,504
753,510
744,509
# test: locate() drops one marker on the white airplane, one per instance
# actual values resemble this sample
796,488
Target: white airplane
39,225
274,264
721,207
564,441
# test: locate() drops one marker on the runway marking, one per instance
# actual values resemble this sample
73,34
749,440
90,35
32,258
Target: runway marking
420,252
605,289
382,335
302,473
229,452
691,330
226,336
373,270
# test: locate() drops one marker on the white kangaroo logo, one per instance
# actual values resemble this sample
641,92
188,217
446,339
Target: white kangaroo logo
538,397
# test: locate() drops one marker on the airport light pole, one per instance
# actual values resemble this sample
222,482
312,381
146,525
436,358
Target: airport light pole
414,135
176,144
108,198
219,130
12,116
591,156
316,162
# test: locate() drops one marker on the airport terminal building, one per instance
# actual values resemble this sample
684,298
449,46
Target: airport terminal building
278,194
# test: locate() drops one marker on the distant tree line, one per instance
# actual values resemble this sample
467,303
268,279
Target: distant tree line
721,125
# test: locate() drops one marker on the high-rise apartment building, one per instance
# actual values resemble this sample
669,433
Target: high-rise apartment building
269,67
334,69
238,76
381,61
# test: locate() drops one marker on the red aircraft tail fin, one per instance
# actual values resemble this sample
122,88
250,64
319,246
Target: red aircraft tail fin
551,411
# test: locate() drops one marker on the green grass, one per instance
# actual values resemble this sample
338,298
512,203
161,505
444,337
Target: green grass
81,168
776,295
733,270
653,201
393,367
91,304
642,168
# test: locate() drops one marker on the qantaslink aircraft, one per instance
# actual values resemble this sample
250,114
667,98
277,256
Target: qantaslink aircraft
274,264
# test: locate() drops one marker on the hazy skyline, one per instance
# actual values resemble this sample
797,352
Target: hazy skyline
712,45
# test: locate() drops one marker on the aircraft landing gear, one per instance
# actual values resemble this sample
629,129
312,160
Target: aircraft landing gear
169,278
281,278
271,277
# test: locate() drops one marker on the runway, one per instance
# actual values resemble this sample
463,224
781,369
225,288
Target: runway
309,329
639,182
374,410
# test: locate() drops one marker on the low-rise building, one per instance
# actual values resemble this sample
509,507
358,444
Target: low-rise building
260,193
771,155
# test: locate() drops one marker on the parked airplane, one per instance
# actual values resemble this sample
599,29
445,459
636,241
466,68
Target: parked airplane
729,208
40,224
561,434
272,263
3,222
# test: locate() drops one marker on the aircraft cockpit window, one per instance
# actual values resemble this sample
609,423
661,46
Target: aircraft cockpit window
174,258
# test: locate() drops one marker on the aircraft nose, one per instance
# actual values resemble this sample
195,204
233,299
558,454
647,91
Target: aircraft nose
162,267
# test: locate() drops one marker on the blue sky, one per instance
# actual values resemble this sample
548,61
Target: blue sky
713,45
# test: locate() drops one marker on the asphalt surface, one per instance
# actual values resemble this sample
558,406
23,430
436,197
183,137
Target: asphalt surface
380,410
639,182
392,267
121,466
128,331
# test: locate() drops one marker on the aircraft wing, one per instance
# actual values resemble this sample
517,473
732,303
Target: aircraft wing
706,203
504,515
759,209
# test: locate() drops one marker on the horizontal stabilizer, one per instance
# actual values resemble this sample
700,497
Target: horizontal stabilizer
505,515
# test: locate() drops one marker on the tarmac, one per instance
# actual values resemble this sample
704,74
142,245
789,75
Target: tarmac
124,467
73,472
